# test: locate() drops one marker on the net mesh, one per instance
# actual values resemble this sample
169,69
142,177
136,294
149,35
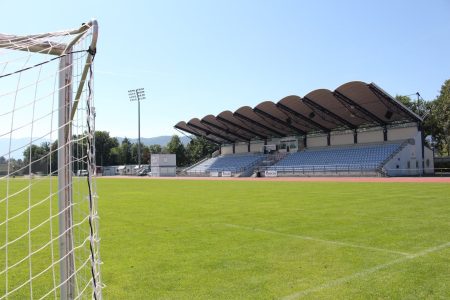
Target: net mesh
30,212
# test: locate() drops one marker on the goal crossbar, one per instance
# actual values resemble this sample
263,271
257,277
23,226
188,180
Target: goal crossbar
28,43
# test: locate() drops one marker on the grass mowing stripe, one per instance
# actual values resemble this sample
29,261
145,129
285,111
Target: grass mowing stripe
365,272
318,240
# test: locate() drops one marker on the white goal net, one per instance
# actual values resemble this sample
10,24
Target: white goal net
49,243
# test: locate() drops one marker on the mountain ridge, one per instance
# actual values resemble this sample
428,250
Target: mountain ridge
161,140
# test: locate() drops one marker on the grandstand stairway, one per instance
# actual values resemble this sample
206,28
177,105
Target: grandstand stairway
236,165
269,160
272,159
380,168
184,172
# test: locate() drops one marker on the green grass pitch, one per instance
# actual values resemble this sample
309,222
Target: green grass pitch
175,239
185,239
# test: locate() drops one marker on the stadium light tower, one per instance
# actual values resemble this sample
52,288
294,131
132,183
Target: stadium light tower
138,95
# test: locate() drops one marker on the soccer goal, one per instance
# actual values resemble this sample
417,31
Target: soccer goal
49,240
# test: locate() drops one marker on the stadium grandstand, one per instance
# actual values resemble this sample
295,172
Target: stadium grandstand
356,130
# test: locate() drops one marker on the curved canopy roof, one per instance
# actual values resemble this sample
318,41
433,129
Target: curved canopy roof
352,105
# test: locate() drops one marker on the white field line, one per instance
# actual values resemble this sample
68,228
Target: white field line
302,237
363,273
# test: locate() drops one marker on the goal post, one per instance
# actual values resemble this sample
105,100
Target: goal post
56,69
67,264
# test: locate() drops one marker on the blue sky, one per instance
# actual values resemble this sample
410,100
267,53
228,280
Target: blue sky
202,57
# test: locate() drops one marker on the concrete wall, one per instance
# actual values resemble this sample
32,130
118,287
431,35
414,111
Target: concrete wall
291,142
226,149
408,162
404,163
273,141
341,139
429,161
160,160
110,170
257,147
316,141
395,134
370,136
241,148
163,165
164,171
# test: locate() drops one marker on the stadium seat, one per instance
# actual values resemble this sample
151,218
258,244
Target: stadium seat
234,163
339,158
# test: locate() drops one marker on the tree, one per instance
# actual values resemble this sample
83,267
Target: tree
116,156
436,116
145,154
420,107
176,147
198,148
37,157
125,153
43,158
425,110
442,113
155,149
103,145
15,167
54,157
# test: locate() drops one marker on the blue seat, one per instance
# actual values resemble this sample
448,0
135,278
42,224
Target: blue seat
231,162
352,157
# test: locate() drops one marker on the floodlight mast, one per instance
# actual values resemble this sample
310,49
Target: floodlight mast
138,95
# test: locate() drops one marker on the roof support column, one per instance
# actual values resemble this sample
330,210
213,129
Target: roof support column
328,139
234,148
385,131
305,141
355,136
248,148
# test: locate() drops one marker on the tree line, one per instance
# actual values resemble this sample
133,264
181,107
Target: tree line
43,158
436,118
110,152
